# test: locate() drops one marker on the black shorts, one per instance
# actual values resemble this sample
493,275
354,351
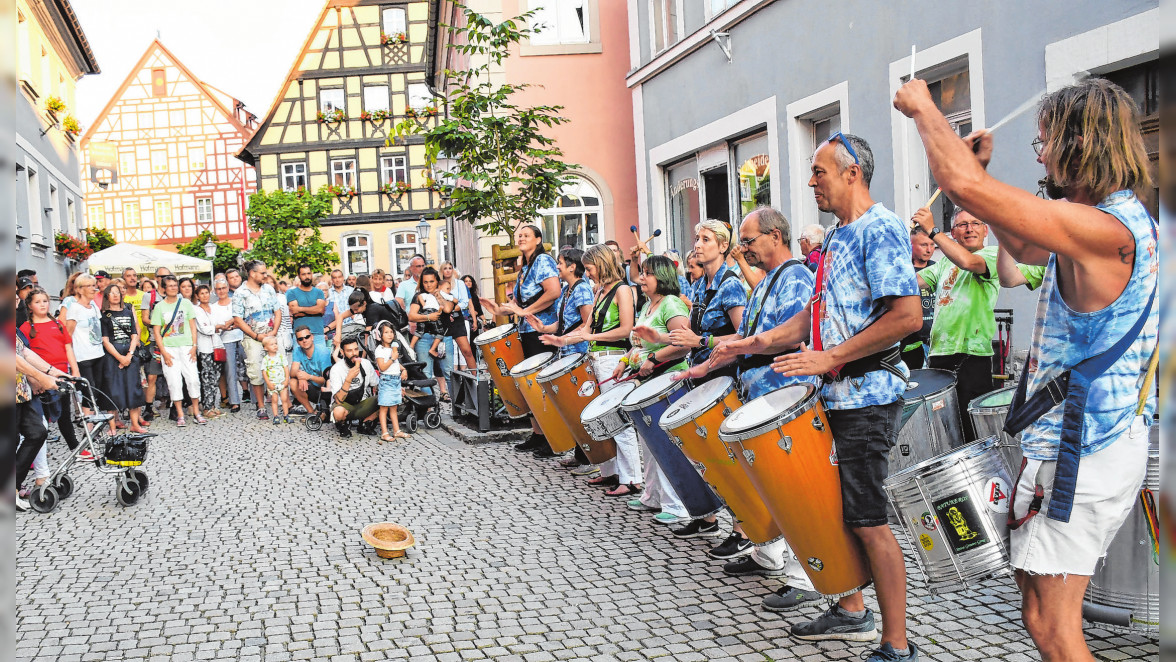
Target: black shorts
864,438
532,346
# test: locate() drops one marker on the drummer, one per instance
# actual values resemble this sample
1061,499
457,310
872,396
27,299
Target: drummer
765,238
1098,244
535,293
607,335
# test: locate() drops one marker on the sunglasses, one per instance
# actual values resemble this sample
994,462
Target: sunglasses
301,338
841,136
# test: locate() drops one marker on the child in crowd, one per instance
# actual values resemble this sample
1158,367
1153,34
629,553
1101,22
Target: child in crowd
275,369
430,305
391,373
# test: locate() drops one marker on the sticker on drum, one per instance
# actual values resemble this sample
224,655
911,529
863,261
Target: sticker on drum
927,521
964,530
938,404
587,389
997,493
926,541
833,455
501,366
816,564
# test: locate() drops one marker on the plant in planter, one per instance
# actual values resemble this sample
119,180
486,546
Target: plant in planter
54,105
341,191
393,39
507,169
375,116
71,247
396,188
331,116
71,126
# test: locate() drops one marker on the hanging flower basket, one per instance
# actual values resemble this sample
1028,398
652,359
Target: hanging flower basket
54,105
341,191
71,247
396,189
393,39
376,116
331,116
71,126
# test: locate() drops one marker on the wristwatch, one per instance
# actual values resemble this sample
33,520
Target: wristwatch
703,340
933,232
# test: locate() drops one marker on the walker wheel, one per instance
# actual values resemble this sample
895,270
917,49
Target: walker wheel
313,423
128,494
433,420
141,477
64,486
43,499
410,422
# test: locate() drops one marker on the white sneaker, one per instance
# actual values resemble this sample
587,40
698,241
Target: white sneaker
21,505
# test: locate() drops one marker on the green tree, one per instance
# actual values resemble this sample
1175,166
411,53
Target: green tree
505,169
290,230
99,239
226,253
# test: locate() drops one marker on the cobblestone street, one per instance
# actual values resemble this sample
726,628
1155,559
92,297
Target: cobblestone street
247,547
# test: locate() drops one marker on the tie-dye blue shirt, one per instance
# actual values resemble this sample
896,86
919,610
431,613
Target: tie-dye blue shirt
866,261
730,294
569,308
788,297
530,283
1062,338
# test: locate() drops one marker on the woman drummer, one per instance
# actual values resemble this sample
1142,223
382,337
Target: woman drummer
535,293
606,333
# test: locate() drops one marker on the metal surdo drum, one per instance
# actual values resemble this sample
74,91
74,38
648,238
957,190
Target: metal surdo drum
693,424
570,384
930,422
988,413
1124,592
503,350
542,409
782,441
955,509
603,419
645,406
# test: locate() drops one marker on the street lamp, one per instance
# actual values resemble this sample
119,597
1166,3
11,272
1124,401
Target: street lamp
210,253
423,229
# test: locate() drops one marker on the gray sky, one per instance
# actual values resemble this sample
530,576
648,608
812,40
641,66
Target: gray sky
243,47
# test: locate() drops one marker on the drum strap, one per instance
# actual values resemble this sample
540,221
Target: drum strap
752,361
1071,388
698,311
561,330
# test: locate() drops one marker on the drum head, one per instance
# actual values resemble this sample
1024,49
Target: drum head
607,401
927,381
775,408
695,402
529,365
561,366
651,390
490,335
995,400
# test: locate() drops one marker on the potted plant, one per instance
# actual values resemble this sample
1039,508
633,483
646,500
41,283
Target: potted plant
396,189
375,116
333,116
71,127
341,191
53,106
71,247
393,39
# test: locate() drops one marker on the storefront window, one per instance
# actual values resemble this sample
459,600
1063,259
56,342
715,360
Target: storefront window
575,218
357,254
753,167
683,210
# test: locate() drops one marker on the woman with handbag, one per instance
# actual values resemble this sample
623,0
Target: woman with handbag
210,352
120,366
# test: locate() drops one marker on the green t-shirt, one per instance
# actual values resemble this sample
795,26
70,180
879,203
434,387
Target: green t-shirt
964,322
667,309
179,333
1033,273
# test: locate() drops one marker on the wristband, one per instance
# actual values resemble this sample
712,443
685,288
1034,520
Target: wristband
624,360
713,342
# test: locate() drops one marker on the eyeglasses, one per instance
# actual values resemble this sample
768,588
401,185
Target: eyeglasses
841,136
1038,145
969,224
301,338
751,240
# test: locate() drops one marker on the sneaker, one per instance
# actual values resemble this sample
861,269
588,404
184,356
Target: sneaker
21,505
262,415
570,463
698,528
287,419
668,518
636,504
277,420
298,409
788,598
836,624
343,429
585,470
85,456
749,566
544,452
733,547
886,653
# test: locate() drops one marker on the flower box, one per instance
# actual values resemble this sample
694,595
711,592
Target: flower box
332,116
396,188
341,191
393,39
71,126
54,105
71,247
375,116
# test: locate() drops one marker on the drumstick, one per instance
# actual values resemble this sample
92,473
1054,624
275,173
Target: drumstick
656,233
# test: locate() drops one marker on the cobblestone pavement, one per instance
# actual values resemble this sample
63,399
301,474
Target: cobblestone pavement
247,547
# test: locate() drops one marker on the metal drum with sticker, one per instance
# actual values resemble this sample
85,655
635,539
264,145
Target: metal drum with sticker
783,443
693,424
645,406
524,374
570,384
988,413
954,507
1124,592
502,349
930,422
603,419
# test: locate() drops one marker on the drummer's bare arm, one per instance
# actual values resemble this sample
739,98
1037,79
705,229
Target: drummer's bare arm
903,316
550,294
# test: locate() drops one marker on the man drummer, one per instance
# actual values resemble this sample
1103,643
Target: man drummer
1085,438
765,239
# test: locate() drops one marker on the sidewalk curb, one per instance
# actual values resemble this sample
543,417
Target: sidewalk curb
470,435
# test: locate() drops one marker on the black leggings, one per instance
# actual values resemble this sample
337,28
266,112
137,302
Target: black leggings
31,426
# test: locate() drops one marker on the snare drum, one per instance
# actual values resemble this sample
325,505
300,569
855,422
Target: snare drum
569,384
542,409
930,423
955,509
988,413
603,419
503,350
645,406
693,424
783,443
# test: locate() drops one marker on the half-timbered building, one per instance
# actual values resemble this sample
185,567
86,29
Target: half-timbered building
159,160
362,69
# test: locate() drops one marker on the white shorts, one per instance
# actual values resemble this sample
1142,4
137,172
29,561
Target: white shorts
1108,486
182,371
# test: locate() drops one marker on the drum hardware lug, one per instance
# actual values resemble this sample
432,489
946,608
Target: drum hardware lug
730,455
749,455
700,468
555,388
817,424
507,343
701,430
785,443
675,440
726,411
585,447
645,417
574,380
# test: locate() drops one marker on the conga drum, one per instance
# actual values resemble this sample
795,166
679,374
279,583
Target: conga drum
693,424
603,419
570,384
503,350
782,441
988,413
542,409
930,424
645,406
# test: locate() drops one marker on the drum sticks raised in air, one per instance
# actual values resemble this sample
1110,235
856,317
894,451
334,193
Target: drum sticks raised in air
656,233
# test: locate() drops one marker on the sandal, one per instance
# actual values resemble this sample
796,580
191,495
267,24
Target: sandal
445,397
387,437
402,435
605,481
628,489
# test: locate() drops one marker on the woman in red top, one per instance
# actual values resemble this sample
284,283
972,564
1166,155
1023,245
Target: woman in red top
50,340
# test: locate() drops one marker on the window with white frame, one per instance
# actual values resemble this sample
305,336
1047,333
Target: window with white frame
203,210
753,167
393,169
357,254
332,98
131,217
23,56
36,213
293,176
716,7
163,213
375,97
575,219
343,172
196,157
394,21
126,164
665,18
419,96
951,90
51,209
560,22
820,126
684,201
159,160
404,246
96,216
46,85
443,245
71,222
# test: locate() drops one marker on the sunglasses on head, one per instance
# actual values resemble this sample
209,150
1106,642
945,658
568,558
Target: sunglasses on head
841,137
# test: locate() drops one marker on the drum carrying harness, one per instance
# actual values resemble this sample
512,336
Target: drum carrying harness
527,303
600,312
887,359
698,311
750,361
561,330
